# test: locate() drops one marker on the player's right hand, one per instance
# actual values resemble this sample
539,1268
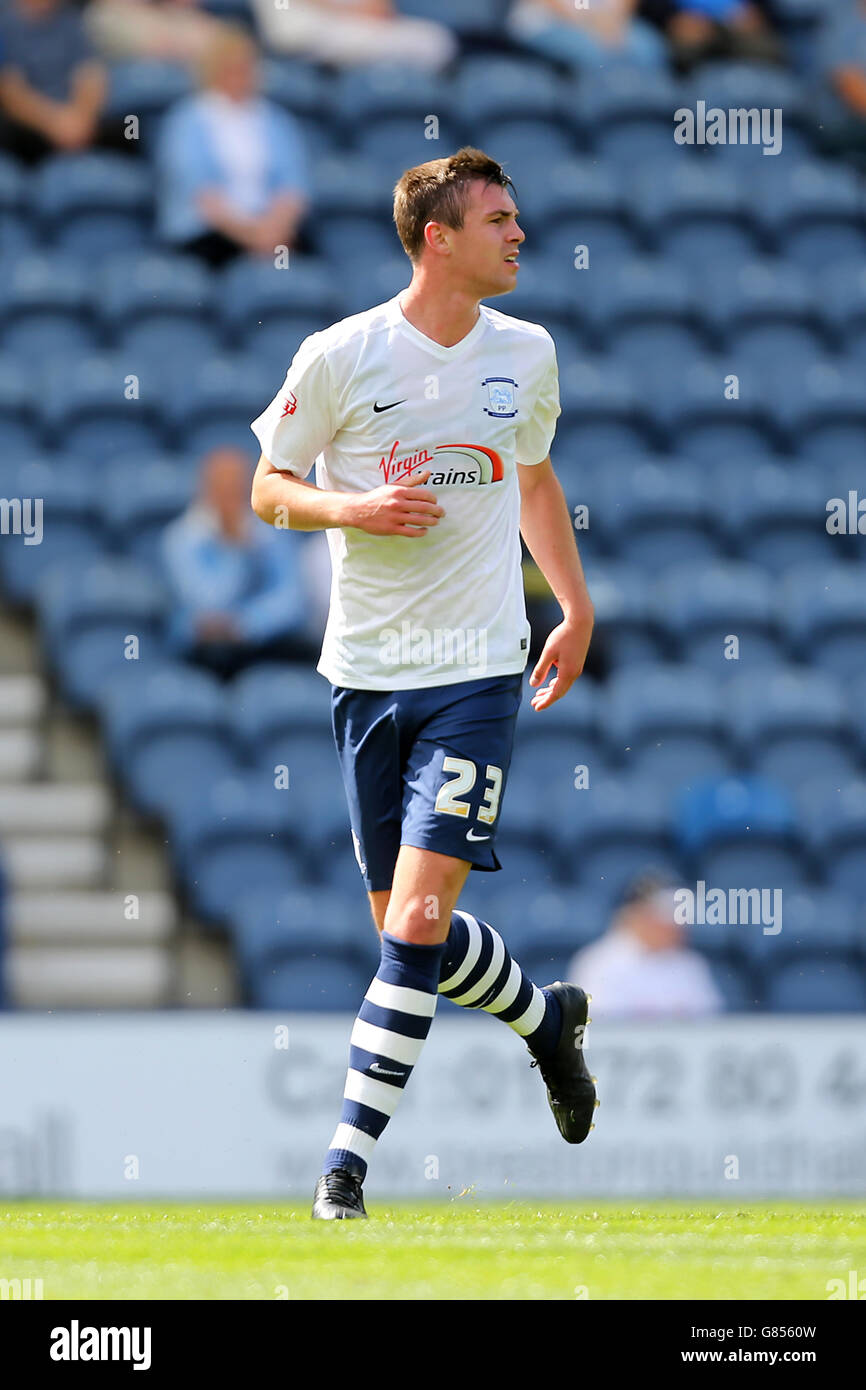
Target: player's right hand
397,509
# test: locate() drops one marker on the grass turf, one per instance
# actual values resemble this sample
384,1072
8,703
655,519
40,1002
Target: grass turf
455,1250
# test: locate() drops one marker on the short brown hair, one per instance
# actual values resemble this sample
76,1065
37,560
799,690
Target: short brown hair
438,191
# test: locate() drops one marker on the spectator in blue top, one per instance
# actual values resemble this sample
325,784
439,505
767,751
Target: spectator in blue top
231,164
242,592
841,64
52,87
706,30
591,35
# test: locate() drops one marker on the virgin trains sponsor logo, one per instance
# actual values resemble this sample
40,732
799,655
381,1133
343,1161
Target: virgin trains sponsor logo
450,464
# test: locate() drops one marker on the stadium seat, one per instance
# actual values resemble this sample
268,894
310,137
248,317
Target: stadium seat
704,608
735,984
739,299
170,738
604,410
238,837
299,930
841,294
516,143
483,19
91,204
836,827
97,621
624,624
490,87
70,530
817,926
138,504
106,405
20,431
612,832
824,612
775,514
805,988
543,928
696,216
213,405
639,303
299,983
695,413
740,832
142,292
789,719
815,215
656,512
253,291
666,723
301,87
822,410
145,88
276,700
395,143
538,296
46,309
627,113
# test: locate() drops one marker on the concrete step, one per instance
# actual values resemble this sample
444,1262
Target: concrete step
74,861
84,918
52,808
23,699
20,753
49,977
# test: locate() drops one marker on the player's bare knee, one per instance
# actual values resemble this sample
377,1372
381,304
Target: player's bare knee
418,919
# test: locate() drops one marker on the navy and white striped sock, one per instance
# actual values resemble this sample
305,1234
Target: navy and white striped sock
479,973
386,1042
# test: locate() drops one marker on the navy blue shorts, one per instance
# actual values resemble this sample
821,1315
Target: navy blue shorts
425,768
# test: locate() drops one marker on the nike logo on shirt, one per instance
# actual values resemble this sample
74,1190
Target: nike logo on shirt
379,408
470,835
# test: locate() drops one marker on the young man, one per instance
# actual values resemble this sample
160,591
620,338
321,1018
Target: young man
431,419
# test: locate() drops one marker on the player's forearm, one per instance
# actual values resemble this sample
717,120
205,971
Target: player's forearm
24,104
295,505
546,527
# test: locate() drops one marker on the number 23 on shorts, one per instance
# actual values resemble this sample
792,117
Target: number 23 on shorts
465,772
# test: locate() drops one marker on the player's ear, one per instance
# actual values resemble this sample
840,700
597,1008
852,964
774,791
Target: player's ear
436,236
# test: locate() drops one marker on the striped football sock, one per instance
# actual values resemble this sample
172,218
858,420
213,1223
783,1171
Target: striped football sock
386,1042
478,973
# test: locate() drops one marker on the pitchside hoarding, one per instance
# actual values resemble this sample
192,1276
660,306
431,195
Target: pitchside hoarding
244,1104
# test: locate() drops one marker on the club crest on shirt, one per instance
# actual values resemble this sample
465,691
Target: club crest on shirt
501,397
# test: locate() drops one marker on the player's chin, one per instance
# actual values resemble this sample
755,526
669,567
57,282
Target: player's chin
505,281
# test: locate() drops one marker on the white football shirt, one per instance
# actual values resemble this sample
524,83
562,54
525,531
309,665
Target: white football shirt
371,400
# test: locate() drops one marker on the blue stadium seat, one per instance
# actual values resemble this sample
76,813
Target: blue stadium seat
214,404
47,309
666,723
350,187
89,619
70,529
489,87
353,244
613,831
254,291
92,204
837,835
318,984
239,838
627,628
145,88
641,301
703,608
375,90
740,832
824,611
301,87
775,514
538,295
654,513
395,143
142,295
695,416
278,700
288,939
817,926
627,113
381,283
739,298
544,928
604,410
138,504
696,215
515,143
816,988
841,294
816,214
822,409
102,406
483,19
576,717
20,431
169,738
789,719
855,691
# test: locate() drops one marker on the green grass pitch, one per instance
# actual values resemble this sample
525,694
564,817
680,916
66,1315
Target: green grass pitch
458,1249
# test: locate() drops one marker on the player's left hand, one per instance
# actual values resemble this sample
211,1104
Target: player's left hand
566,649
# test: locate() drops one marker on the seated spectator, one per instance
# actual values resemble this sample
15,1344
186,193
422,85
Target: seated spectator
171,31
351,33
841,64
588,37
703,30
231,164
52,88
243,592
640,968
